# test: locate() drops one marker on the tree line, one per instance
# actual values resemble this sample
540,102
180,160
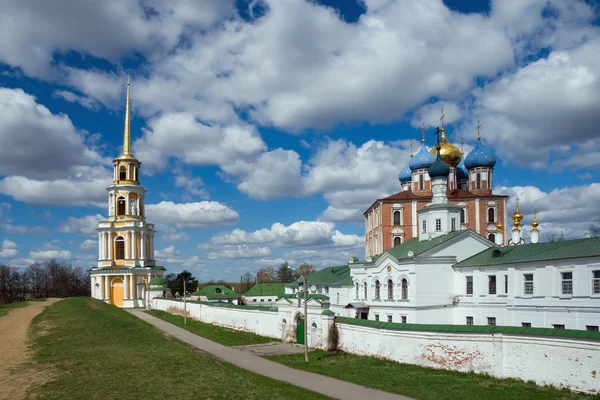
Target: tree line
43,279
284,273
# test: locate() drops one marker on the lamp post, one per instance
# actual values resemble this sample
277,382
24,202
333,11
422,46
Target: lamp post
304,282
184,303
97,287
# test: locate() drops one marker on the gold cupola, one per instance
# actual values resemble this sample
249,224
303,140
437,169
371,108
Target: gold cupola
449,153
534,224
517,217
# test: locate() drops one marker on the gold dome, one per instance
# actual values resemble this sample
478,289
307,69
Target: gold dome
450,154
534,224
517,217
499,228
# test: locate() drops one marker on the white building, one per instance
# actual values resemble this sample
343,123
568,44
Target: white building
452,276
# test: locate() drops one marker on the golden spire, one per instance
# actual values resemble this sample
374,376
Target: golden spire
534,224
127,133
479,132
411,153
422,132
517,217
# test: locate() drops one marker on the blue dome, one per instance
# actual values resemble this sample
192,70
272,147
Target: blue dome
461,170
405,175
423,159
481,156
439,169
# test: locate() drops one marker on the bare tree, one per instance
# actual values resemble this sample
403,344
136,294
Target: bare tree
265,275
552,236
306,269
594,230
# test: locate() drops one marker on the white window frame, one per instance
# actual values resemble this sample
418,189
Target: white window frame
566,285
438,224
596,282
527,283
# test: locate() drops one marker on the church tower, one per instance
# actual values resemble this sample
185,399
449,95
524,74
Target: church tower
125,240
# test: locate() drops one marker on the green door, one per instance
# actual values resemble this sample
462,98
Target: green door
300,332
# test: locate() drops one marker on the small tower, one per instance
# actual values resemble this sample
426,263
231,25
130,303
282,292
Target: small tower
499,235
440,217
421,184
516,237
449,153
405,175
535,233
480,163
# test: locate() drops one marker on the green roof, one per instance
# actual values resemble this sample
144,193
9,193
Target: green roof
157,281
158,268
216,292
267,289
572,333
588,247
316,296
332,276
327,312
401,252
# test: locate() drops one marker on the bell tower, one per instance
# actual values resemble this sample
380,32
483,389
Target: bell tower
125,240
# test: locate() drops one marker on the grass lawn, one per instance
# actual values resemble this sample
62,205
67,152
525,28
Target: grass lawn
96,351
419,382
225,336
5,308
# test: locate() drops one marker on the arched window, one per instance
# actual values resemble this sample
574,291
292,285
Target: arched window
121,206
357,290
491,215
137,175
390,289
377,290
120,248
492,237
404,289
463,216
122,173
365,290
397,241
396,217
478,181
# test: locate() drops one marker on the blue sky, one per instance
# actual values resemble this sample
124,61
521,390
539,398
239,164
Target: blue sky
266,128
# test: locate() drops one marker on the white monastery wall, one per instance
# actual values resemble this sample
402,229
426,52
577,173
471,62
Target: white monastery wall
261,322
561,362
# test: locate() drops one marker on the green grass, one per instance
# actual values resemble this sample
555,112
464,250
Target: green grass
420,382
5,308
97,351
219,334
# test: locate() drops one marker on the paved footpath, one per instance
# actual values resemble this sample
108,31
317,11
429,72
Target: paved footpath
317,383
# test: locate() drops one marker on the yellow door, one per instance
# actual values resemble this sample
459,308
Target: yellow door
117,292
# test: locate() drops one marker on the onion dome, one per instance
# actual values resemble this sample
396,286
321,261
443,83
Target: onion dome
461,171
423,159
480,156
405,175
517,217
439,169
534,224
451,155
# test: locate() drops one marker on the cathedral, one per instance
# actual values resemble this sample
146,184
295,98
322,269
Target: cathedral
126,271
393,220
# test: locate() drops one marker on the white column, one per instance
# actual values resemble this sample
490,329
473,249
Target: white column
127,209
143,246
99,245
134,245
126,284
477,216
106,292
151,247
92,281
127,242
109,239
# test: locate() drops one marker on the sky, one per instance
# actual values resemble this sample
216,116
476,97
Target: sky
266,128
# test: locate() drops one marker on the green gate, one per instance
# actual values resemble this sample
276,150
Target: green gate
300,332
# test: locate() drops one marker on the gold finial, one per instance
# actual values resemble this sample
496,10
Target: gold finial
499,228
422,132
534,224
517,217
479,135
462,145
127,133
442,118
411,153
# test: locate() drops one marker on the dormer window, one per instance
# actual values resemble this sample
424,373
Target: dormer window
122,173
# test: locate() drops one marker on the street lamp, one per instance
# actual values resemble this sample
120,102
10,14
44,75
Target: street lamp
97,287
304,282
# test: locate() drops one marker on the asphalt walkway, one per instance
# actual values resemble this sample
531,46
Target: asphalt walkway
317,383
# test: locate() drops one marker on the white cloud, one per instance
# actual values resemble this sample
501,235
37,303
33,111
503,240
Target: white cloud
192,215
50,254
85,226
570,210
9,249
298,234
89,245
194,186
242,251
272,262
22,229
171,257
74,98
35,143
167,233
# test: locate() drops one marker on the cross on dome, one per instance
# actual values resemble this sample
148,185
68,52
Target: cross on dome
442,118
423,132
478,130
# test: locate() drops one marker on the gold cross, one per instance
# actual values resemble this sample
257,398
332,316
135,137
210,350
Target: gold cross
478,130
442,118
423,132
411,154
462,145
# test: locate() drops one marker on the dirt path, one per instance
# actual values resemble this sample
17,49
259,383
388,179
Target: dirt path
14,343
